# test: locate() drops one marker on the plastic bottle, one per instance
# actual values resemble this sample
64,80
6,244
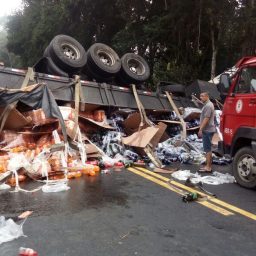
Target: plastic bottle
87,169
27,252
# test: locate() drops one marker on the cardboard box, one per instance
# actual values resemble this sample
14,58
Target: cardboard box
141,138
15,119
37,116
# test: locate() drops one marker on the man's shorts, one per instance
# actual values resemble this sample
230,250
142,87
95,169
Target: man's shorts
207,141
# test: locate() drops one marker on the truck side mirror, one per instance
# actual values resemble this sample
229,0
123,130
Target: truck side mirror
224,84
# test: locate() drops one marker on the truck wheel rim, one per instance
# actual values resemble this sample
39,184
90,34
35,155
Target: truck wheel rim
246,168
70,51
136,66
106,58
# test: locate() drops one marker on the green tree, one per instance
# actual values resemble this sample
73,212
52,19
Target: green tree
181,40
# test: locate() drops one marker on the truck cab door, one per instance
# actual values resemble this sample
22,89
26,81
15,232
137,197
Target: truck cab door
240,104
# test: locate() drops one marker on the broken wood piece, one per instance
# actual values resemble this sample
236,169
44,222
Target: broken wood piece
183,124
162,170
151,155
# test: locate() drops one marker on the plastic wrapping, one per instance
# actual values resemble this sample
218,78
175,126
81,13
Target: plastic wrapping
44,141
27,252
67,113
55,187
195,112
131,155
40,167
62,154
37,116
18,161
112,143
20,142
4,187
9,230
215,179
168,153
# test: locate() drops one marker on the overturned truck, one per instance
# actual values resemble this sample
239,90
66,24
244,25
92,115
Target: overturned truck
81,90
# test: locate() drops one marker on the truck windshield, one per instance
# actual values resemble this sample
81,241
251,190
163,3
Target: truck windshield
247,81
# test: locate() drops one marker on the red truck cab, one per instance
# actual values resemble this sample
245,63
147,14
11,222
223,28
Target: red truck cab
238,121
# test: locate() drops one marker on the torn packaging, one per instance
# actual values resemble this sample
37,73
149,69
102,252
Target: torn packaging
144,140
36,96
47,127
103,124
38,116
141,138
132,123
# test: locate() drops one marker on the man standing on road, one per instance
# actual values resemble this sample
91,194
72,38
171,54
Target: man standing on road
207,129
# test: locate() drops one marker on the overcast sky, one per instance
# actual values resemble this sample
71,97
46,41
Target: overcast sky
8,6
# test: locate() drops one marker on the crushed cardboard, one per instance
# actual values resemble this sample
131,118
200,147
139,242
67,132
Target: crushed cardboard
103,124
91,149
15,119
141,138
46,126
160,133
132,123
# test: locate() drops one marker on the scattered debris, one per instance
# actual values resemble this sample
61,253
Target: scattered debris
52,142
216,178
9,230
27,252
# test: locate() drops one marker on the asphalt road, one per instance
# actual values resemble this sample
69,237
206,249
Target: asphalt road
127,213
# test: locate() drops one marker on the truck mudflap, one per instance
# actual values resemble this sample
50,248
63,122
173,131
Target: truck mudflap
223,149
220,148
254,148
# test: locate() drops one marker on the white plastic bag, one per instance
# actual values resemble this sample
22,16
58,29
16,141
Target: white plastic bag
216,178
4,186
55,187
9,230
18,161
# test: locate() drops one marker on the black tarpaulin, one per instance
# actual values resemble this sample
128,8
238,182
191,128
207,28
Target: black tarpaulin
36,96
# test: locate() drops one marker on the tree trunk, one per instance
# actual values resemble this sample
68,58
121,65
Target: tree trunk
214,55
199,26
165,5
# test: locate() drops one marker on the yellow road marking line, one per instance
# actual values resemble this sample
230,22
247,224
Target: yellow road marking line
164,184
212,199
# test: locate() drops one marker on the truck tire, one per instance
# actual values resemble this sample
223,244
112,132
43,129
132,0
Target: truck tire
102,61
243,167
52,69
67,53
134,69
46,66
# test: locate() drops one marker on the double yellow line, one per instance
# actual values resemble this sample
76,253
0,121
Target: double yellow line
212,203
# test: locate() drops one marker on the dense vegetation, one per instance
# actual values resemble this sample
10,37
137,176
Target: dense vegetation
181,39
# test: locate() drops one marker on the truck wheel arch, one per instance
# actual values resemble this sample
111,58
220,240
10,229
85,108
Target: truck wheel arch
244,136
